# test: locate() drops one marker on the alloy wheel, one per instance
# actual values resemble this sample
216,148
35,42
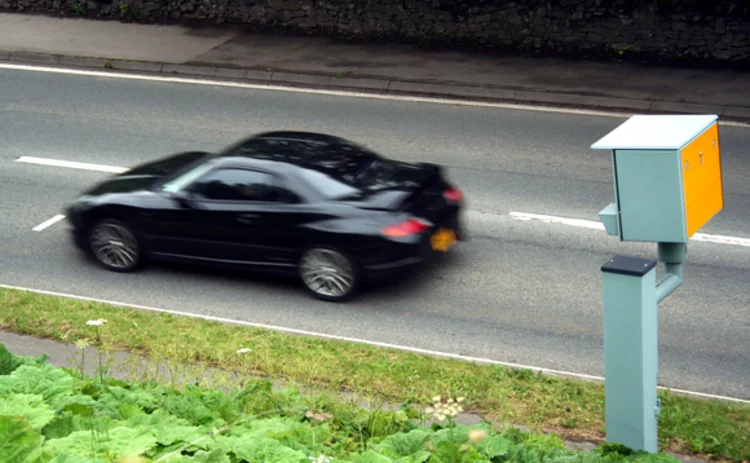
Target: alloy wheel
115,246
328,274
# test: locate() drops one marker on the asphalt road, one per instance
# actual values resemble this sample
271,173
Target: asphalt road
519,291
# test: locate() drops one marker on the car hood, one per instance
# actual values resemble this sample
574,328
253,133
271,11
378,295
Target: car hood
142,176
164,166
121,184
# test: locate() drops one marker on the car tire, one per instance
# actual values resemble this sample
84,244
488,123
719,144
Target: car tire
115,245
329,274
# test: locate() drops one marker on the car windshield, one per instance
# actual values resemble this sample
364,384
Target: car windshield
182,180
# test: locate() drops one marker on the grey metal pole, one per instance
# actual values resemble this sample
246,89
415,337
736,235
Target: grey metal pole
631,352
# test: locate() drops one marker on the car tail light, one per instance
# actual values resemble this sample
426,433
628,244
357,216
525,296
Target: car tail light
406,228
453,195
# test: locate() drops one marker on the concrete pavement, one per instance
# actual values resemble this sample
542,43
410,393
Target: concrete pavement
393,69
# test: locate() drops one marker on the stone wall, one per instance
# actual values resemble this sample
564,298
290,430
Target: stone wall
710,32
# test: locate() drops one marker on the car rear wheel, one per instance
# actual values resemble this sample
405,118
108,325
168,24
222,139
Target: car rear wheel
114,244
329,274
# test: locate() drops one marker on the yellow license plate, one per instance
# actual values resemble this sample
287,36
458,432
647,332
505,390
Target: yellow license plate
442,240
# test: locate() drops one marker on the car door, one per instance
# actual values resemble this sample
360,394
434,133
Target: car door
268,217
236,215
228,209
286,217
173,228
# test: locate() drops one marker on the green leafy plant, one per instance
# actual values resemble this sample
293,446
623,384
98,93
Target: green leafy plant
9,362
18,440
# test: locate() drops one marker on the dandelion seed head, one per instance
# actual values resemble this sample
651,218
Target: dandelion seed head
98,322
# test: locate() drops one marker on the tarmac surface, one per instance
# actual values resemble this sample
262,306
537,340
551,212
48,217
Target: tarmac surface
521,291
398,69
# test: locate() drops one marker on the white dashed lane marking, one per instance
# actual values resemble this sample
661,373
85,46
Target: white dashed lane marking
48,223
581,223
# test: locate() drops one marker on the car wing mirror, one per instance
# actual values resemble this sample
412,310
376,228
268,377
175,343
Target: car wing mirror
183,198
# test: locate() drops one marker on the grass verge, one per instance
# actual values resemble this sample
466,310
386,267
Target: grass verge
56,415
572,409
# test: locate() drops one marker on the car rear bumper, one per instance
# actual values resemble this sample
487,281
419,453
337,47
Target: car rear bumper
420,252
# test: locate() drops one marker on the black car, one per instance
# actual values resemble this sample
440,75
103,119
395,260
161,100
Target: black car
318,206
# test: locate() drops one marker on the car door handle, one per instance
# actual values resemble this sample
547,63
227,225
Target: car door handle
248,218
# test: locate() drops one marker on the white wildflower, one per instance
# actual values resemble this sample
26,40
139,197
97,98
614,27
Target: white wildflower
244,350
98,322
441,410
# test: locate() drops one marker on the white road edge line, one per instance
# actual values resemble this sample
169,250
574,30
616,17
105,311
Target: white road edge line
281,88
71,164
581,223
415,350
48,223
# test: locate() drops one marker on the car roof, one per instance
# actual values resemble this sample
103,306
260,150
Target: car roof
306,150
310,137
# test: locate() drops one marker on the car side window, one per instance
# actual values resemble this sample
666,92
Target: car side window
240,185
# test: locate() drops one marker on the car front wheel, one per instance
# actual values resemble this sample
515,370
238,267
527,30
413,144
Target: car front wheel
329,274
115,246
